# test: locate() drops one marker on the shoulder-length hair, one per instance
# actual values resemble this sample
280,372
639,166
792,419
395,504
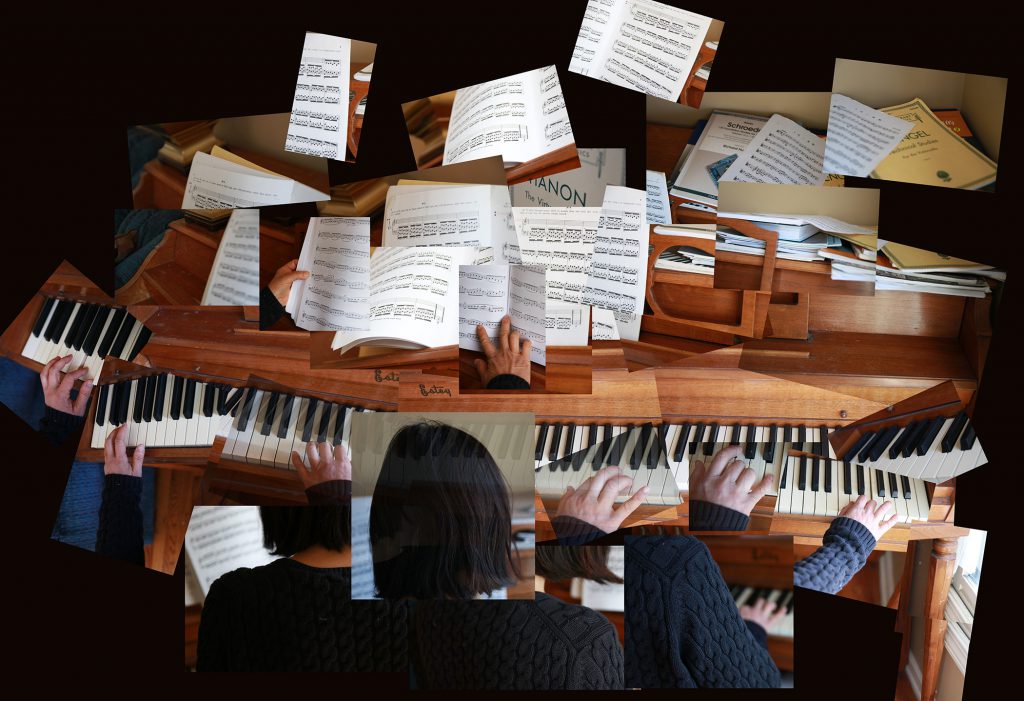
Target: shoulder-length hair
440,520
557,562
291,529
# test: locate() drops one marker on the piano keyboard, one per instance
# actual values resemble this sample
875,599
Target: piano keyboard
765,448
747,596
935,449
269,426
567,454
87,332
813,486
164,411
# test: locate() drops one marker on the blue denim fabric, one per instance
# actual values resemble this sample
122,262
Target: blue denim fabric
21,392
79,515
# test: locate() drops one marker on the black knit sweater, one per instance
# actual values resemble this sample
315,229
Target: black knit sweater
844,550
542,644
682,626
270,309
57,426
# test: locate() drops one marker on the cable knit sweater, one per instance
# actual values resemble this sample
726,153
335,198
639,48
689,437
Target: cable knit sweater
289,617
542,644
682,625
844,550
57,426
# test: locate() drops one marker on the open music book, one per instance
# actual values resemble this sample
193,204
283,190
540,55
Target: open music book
412,300
221,539
235,277
489,292
318,125
519,118
222,180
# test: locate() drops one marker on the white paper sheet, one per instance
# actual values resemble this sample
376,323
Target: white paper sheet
618,271
642,45
562,240
363,586
821,221
859,137
659,211
216,183
318,125
609,596
579,187
446,215
603,325
235,277
489,292
220,539
519,118
782,152
567,325
335,297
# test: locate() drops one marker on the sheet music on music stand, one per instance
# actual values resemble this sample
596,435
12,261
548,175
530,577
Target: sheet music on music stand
221,539
487,293
318,125
609,596
235,277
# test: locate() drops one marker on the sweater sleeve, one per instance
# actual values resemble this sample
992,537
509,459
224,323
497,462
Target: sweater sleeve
508,382
56,425
120,530
270,309
213,648
599,666
758,631
708,516
844,550
573,531
328,493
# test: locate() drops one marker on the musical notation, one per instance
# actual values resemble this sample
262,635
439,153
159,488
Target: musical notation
318,125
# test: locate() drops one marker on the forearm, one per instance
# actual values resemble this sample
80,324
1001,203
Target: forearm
120,530
708,516
270,309
844,550
573,531
57,426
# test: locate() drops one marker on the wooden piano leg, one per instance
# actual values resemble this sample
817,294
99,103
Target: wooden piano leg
902,595
940,575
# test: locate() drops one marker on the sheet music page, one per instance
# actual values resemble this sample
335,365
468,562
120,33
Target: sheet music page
567,325
518,118
579,187
659,211
527,305
859,137
318,125
440,215
642,45
363,586
610,596
221,539
214,183
504,246
618,272
603,326
235,276
782,152
336,252
483,300
561,239
414,298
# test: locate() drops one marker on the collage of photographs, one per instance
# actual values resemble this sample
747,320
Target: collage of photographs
509,418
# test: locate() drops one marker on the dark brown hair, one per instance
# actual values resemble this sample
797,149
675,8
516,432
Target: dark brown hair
440,520
291,529
567,561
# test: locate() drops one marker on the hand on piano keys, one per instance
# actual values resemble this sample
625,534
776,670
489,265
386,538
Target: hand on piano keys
87,332
728,482
115,454
772,609
327,463
57,387
593,501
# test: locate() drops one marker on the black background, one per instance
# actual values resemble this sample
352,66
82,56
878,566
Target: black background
73,84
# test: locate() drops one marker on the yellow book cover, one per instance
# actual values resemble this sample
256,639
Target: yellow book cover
933,154
907,257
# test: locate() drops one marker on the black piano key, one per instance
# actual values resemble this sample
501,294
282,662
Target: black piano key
928,435
117,397
787,434
913,438
815,474
542,435
709,444
126,399
592,438
245,410
885,437
93,318
827,467
189,403
734,439
287,405
149,398
92,339
60,318
268,416
140,392
860,479
905,481
101,405
74,325
140,341
785,469
325,423
822,448
619,446
343,417
769,448
161,397
177,393
876,439
802,474
847,478
657,446
570,438
307,426
968,437
233,398
801,437
84,323
855,449
117,347
117,319
209,398
556,440
893,488
698,433
788,603
880,484
751,450
37,328
638,447
602,448
949,439
680,449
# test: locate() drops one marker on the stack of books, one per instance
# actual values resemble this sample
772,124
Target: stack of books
182,140
901,267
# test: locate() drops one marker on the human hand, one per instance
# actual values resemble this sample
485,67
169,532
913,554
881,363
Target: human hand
57,390
763,612
594,500
281,284
728,482
115,455
871,515
325,464
507,358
